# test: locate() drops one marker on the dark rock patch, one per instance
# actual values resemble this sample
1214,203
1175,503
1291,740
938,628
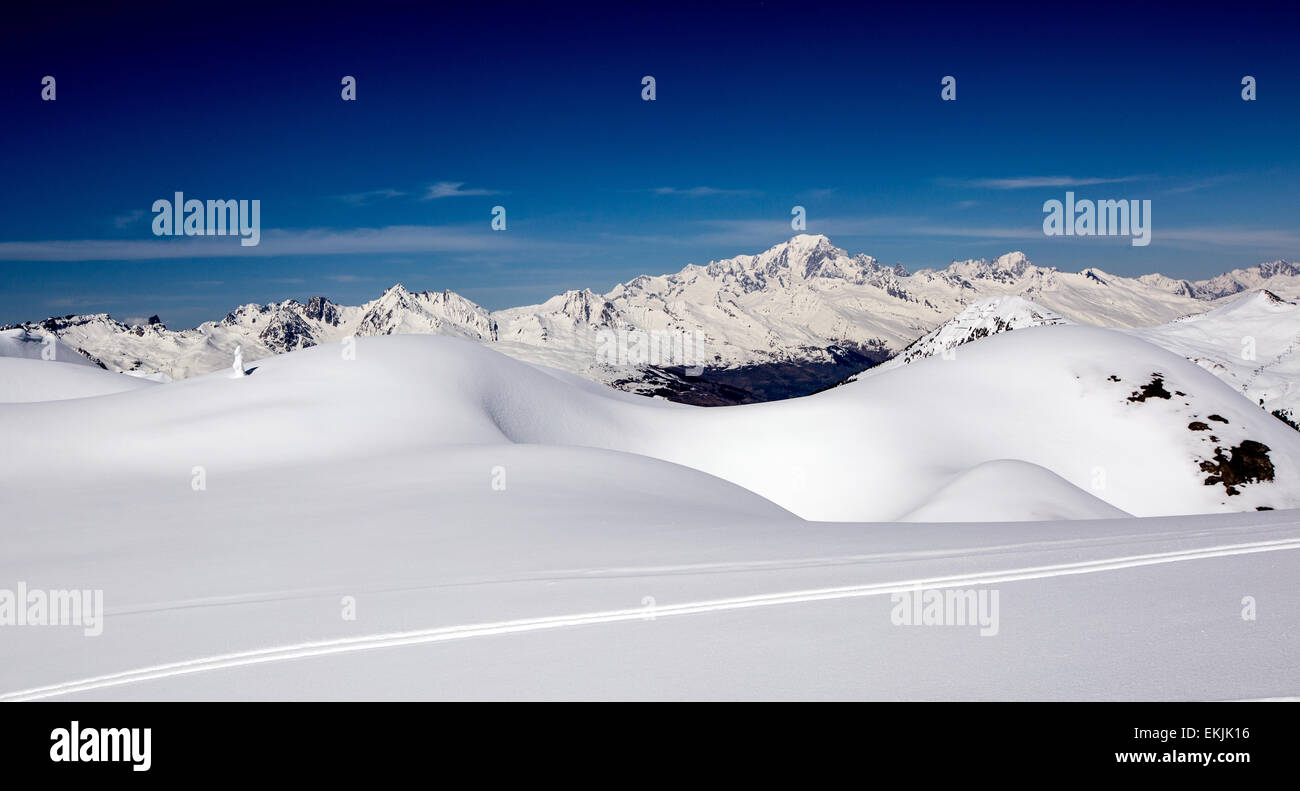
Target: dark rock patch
1153,389
1197,425
1219,418
1249,463
751,384
1285,417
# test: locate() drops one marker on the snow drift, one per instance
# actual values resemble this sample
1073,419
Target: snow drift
1138,427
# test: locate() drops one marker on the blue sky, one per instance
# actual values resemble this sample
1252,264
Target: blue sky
760,107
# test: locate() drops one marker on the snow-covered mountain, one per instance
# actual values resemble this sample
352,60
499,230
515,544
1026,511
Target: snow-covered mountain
20,342
29,377
264,330
805,313
980,320
1251,341
1279,276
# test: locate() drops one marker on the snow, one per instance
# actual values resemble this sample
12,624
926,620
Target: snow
1008,490
24,379
508,530
30,345
1056,396
981,319
642,549
1251,341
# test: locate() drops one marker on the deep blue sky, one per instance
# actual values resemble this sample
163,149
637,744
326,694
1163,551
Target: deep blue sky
761,106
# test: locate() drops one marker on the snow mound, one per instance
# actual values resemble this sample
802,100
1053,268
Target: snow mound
1007,490
1164,436
26,380
30,345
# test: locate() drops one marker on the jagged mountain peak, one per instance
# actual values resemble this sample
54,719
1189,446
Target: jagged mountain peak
575,296
396,295
1258,302
1009,266
61,323
398,310
1014,261
580,307
1279,267
807,245
980,319
254,313
801,258
322,310
810,255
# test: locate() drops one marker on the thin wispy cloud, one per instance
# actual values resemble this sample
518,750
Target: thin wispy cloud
372,196
1031,182
1233,236
746,233
130,218
700,192
749,234
1196,186
1227,236
970,231
454,189
72,302
277,242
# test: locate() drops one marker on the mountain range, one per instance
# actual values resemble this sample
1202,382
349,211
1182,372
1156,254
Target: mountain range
788,321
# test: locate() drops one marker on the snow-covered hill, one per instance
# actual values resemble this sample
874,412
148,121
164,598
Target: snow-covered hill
803,304
429,518
980,320
1138,427
26,380
1252,342
30,345
1010,490
39,367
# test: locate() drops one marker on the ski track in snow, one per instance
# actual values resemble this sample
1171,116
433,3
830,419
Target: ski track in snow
686,569
498,628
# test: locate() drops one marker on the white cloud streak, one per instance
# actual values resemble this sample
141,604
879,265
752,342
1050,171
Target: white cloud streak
453,189
700,192
372,196
1030,182
276,242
